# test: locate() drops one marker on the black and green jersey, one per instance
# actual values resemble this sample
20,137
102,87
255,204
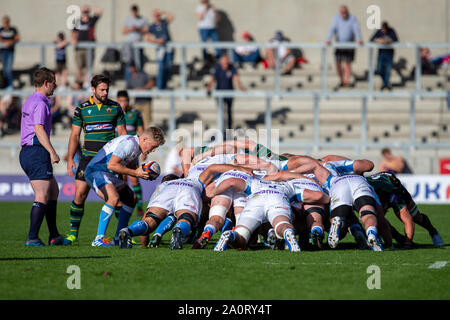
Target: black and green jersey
390,190
133,120
263,152
99,123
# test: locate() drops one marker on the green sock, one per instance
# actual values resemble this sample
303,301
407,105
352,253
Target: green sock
117,211
138,191
76,213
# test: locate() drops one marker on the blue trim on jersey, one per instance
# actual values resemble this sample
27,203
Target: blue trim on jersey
248,190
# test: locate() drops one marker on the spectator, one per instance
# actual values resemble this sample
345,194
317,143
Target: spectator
134,27
346,28
224,75
386,35
10,111
396,164
84,31
139,80
9,36
247,53
60,54
72,101
426,61
159,34
206,24
287,58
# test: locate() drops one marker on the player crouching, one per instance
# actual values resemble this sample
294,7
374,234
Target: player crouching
104,172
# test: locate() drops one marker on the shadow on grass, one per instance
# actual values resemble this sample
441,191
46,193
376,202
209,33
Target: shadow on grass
52,258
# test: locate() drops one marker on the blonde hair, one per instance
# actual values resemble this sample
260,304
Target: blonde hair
156,134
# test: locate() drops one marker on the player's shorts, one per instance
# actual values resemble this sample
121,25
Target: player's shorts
84,161
344,190
264,207
35,162
234,174
238,199
99,179
179,194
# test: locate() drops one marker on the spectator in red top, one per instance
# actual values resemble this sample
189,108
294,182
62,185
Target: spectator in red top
247,53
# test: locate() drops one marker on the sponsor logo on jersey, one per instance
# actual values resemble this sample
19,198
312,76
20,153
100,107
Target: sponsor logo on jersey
99,127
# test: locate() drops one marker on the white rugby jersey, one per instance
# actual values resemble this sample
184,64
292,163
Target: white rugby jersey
196,170
125,147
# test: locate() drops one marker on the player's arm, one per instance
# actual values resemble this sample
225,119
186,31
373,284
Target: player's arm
283,176
115,164
332,157
208,174
74,142
218,149
186,159
361,166
139,124
314,197
121,125
255,163
45,142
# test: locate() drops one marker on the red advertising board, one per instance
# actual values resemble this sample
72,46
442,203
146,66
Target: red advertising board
444,166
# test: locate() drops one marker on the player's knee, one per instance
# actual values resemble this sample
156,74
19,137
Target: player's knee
243,232
188,217
152,219
218,211
280,227
127,196
317,213
364,202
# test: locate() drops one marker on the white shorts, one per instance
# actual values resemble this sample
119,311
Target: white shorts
98,179
344,190
175,195
238,199
262,208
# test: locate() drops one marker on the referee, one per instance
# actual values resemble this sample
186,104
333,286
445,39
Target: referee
37,156
98,118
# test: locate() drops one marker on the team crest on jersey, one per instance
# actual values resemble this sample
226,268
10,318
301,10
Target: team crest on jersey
109,110
89,111
80,174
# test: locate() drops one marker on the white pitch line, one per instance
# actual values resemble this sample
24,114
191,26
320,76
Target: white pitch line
342,263
437,265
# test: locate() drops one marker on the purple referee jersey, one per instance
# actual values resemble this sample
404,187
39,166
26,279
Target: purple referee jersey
36,110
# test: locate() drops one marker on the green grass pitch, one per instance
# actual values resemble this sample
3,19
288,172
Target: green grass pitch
111,273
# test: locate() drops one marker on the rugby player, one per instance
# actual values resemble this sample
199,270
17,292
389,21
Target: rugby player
134,125
98,118
104,171
342,180
183,197
268,201
393,194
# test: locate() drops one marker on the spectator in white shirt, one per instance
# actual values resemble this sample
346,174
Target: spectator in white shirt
206,24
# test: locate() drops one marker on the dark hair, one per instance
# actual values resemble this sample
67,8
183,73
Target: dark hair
134,7
385,150
123,93
385,25
41,75
99,78
169,177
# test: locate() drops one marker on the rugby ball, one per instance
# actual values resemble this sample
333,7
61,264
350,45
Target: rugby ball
152,168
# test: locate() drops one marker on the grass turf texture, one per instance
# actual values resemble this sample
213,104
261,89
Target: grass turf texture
139,273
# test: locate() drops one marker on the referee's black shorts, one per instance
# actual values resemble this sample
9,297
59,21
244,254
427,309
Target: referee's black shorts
35,162
84,161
